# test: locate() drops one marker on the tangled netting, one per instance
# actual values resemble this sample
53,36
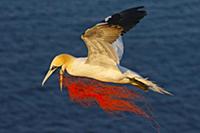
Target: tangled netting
109,97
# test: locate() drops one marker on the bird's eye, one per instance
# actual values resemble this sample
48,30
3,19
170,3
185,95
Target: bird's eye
53,67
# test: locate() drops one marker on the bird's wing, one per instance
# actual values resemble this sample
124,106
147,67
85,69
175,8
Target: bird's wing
104,41
118,46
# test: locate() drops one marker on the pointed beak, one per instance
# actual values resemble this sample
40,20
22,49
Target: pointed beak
47,76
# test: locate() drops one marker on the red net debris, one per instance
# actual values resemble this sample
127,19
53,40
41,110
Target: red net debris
110,98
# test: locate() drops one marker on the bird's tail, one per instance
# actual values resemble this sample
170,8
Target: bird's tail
146,85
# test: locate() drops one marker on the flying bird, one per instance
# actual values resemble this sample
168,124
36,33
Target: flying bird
105,49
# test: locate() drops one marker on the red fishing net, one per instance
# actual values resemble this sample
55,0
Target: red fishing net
110,98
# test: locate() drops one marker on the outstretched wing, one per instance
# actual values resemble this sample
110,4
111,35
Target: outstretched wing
104,42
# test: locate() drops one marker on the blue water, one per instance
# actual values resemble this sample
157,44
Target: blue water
164,46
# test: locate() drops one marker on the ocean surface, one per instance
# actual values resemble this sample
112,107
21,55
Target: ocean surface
164,46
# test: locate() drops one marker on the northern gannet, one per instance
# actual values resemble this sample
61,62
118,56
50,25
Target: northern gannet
105,50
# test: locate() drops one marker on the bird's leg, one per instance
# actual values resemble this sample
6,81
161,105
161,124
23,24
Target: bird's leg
61,79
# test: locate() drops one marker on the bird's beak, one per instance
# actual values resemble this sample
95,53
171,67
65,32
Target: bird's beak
47,76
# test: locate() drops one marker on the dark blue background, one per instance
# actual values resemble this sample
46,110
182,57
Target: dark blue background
164,46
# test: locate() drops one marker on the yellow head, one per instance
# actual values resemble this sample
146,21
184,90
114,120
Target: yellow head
61,61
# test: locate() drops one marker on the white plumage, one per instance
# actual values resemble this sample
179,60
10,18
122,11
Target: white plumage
105,50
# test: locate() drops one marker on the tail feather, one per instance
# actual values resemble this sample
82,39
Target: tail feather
146,85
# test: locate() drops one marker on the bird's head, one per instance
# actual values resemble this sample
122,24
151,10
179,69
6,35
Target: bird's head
61,61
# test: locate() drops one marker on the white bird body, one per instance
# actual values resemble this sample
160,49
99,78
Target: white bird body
79,67
105,50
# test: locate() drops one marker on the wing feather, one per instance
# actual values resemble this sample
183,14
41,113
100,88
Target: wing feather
104,42
119,47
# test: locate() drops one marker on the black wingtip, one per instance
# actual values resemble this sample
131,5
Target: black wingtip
127,18
139,9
